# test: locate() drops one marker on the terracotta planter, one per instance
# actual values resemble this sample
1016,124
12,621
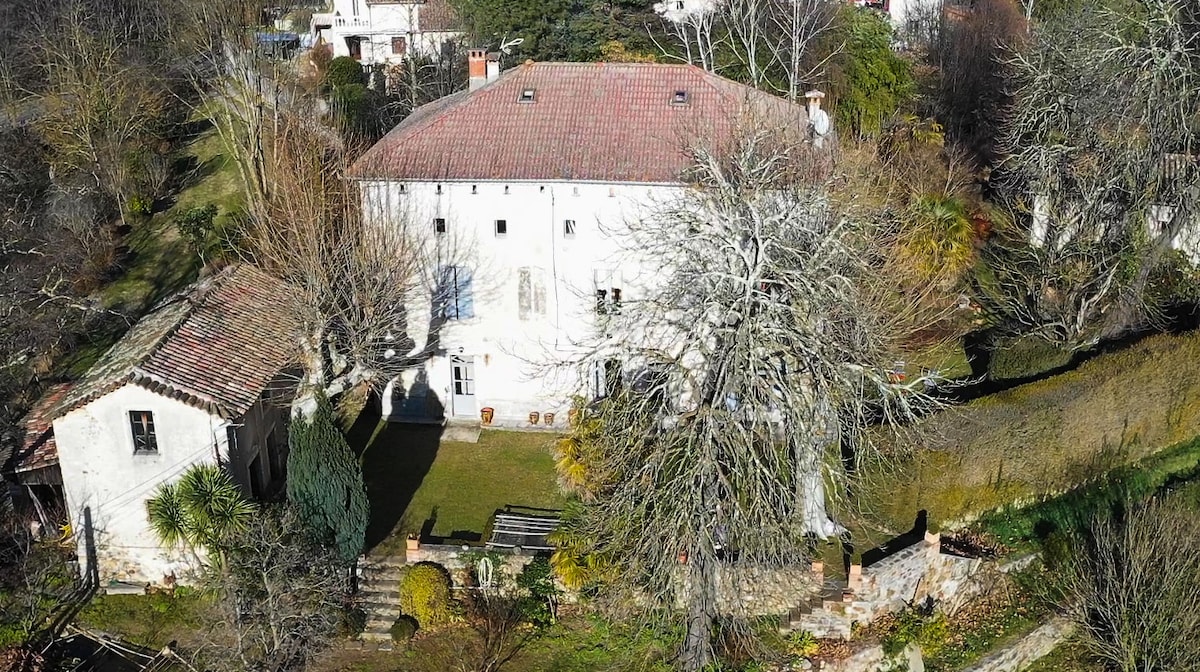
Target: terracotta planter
683,557
548,419
573,417
486,414
412,543
533,417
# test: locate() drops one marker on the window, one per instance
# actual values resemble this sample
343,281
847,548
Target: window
608,293
531,293
679,5
399,45
501,228
145,440
680,97
454,298
568,228
526,96
439,224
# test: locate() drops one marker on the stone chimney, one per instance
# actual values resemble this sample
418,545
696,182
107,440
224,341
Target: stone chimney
482,67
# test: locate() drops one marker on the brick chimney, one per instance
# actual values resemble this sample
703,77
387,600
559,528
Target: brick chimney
482,67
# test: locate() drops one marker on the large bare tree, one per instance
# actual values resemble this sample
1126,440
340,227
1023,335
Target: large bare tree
753,365
1101,142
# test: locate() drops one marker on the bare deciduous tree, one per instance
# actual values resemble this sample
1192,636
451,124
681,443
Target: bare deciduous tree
1101,144
1133,588
765,43
281,597
754,362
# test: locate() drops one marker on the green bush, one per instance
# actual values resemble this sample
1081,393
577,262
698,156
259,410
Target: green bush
139,205
196,225
541,595
403,629
345,71
425,595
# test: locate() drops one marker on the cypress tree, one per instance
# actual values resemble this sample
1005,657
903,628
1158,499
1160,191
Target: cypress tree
325,482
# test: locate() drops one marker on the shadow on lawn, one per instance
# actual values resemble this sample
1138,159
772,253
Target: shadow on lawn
395,461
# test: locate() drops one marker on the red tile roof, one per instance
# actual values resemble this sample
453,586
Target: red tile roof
215,347
607,122
38,448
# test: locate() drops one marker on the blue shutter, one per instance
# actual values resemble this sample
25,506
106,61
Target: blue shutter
464,293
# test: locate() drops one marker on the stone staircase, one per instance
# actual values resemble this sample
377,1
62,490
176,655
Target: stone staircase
379,588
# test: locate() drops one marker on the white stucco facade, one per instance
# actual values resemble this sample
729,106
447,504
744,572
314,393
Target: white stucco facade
379,32
104,476
533,290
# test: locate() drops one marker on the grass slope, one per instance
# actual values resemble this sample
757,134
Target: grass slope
1047,436
160,260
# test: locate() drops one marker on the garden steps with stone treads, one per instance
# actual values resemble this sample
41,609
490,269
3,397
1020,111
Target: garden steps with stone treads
379,590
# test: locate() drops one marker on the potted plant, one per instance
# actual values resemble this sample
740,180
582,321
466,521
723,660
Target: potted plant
486,414
548,418
533,417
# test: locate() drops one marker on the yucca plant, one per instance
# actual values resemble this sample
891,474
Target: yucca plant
940,235
199,511
573,560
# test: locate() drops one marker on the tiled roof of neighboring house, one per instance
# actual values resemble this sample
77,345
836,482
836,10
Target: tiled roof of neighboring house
216,346
437,16
37,448
606,122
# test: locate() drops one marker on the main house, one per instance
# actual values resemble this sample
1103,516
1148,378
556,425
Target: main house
203,378
521,187
380,32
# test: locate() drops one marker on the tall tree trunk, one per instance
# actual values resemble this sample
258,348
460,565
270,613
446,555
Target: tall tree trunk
697,651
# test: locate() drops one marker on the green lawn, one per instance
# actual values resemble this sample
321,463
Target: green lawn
1046,436
447,490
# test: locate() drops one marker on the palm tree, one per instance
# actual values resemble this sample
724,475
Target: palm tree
939,237
199,511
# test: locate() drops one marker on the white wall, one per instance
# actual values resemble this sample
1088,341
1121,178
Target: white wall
519,364
100,471
376,24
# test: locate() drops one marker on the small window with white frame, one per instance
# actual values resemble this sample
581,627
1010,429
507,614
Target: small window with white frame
568,228
439,225
501,228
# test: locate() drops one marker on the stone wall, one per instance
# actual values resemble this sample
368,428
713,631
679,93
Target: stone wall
458,558
1031,647
909,575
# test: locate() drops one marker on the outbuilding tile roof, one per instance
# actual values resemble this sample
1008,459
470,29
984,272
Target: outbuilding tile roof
38,448
216,346
606,122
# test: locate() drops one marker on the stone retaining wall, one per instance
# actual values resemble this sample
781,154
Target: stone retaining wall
1020,654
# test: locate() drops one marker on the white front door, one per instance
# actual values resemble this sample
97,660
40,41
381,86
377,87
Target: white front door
462,400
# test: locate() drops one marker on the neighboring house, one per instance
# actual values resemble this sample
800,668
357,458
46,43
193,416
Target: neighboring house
521,186
203,378
380,32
